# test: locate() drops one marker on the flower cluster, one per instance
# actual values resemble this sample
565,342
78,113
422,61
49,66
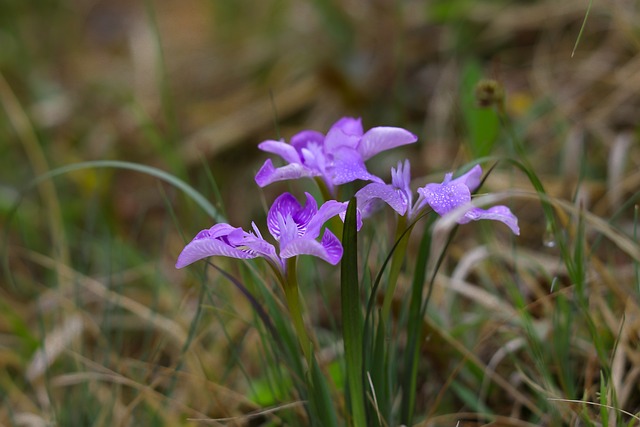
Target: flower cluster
335,159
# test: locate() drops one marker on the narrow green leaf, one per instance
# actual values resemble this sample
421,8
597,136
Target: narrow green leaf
408,381
352,322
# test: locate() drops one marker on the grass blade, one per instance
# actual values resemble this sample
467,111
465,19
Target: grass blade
352,317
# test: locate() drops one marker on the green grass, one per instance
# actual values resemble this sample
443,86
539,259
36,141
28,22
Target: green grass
127,128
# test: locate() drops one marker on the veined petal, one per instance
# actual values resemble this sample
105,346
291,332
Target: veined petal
254,243
444,197
212,243
288,206
387,193
382,138
348,166
330,249
327,211
496,213
269,174
346,132
471,179
282,149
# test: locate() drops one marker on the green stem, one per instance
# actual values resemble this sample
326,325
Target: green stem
292,297
396,266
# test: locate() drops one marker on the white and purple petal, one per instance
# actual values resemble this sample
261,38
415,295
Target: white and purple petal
382,138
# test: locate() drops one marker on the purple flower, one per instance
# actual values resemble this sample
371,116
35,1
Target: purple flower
453,193
442,198
294,227
397,194
336,158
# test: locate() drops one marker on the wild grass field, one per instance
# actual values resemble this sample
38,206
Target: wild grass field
126,127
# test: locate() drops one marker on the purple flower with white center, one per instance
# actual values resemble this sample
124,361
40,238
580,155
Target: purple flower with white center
442,198
337,158
453,193
294,227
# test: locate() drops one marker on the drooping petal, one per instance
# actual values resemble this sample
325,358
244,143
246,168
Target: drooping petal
444,197
471,179
382,138
348,166
282,149
392,196
330,249
212,242
269,174
496,213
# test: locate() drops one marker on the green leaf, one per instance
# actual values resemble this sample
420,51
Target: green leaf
352,322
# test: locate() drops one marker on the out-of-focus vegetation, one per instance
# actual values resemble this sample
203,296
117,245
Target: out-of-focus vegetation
98,328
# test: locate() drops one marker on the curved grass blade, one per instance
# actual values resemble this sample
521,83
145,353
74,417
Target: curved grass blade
149,170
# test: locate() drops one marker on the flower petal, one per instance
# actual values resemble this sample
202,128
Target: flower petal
282,149
346,132
283,206
210,243
327,211
471,179
348,166
329,250
392,196
269,174
382,138
496,213
288,206
444,197
303,139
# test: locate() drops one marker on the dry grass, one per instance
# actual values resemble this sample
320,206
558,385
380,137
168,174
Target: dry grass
91,309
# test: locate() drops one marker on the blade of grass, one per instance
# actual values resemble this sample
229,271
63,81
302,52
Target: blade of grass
149,170
352,326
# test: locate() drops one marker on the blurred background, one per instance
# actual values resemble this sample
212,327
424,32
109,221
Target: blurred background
191,87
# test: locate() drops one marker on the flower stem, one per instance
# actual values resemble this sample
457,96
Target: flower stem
292,297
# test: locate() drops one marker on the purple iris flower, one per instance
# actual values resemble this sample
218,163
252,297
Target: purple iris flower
442,198
295,227
453,193
336,158
397,194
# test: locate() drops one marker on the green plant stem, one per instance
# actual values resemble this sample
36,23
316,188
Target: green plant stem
396,266
292,296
